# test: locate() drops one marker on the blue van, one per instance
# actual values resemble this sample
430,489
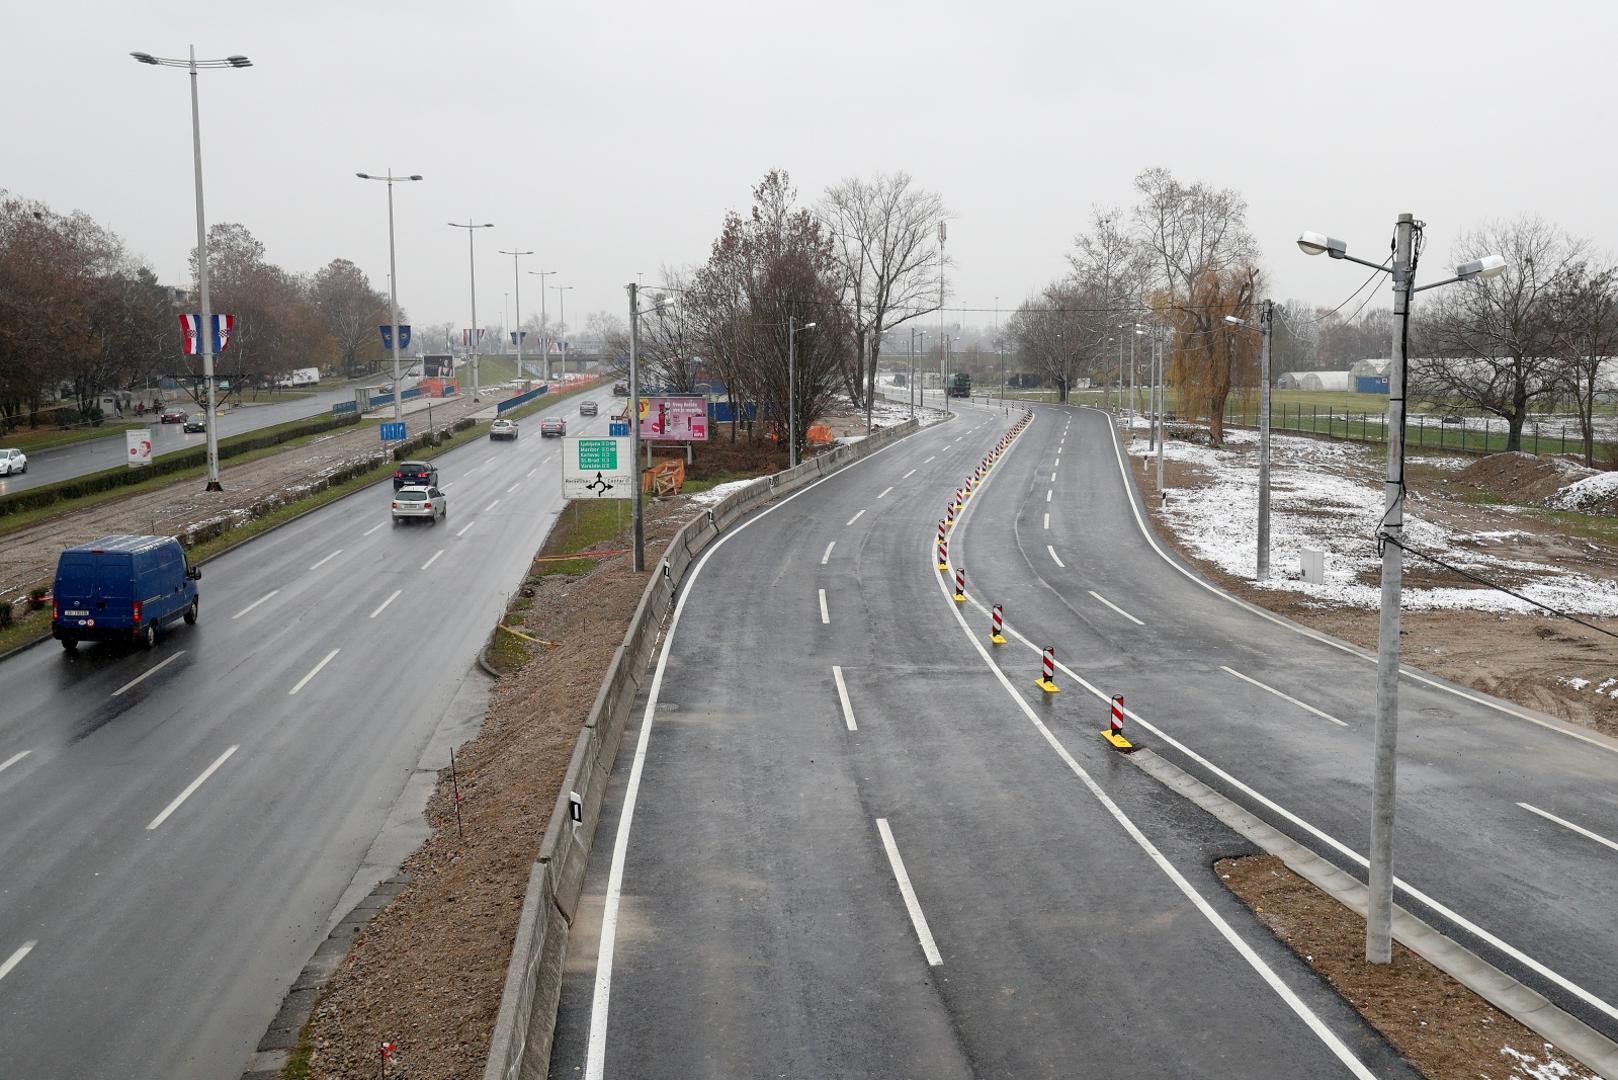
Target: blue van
122,588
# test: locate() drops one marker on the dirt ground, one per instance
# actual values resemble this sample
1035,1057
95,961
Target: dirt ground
429,969
1527,659
1443,1029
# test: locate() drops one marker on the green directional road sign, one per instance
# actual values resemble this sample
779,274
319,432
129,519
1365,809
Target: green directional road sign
597,468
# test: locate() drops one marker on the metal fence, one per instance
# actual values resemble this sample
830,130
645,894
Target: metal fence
1461,434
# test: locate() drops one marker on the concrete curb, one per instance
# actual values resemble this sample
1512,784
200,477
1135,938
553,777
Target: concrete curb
1502,991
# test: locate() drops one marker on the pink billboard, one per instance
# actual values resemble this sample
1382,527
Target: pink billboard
674,419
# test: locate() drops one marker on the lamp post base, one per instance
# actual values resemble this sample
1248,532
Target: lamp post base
214,485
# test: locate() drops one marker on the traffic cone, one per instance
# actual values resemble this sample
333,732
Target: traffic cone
1114,734
1047,670
960,584
995,636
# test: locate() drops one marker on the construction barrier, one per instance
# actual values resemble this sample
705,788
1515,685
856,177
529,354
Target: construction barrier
996,635
960,584
1046,680
1114,732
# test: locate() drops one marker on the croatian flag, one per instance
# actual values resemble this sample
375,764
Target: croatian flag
190,331
466,336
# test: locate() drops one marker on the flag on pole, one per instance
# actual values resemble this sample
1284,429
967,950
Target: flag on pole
518,335
387,335
192,338
466,337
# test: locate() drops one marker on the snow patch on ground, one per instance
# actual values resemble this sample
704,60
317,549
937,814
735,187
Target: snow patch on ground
719,492
1551,1067
1585,493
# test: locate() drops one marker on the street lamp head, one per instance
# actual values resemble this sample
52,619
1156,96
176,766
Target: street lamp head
415,176
1234,321
1487,267
1313,243
238,61
145,58
363,176
807,326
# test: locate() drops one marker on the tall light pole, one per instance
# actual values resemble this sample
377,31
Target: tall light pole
561,326
472,264
516,277
792,387
943,360
1121,328
205,322
637,527
1265,326
1379,911
544,331
393,285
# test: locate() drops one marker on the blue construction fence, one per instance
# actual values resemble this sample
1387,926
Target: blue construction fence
722,412
522,399
376,401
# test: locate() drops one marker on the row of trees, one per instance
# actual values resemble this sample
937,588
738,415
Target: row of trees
81,316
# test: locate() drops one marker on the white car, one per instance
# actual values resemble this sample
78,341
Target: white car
12,462
420,502
503,429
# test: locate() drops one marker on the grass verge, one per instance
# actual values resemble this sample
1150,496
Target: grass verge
581,526
33,440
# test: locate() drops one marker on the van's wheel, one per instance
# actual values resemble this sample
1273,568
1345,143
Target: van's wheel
191,614
148,635
69,644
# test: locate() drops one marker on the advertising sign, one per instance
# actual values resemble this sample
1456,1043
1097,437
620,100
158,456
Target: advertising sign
139,443
674,419
597,468
438,366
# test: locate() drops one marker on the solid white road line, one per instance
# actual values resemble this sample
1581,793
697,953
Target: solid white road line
842,696
13,759
908,475
385,603
1286,697
313,672
885,491
1054,557
513,487
255,603
1115,607
372,529
824,616
1547,815
148,673
491,506
465,527
327,559
16,958
853,519
1047,495
824,559
928,947
432,560
1047,520
190,789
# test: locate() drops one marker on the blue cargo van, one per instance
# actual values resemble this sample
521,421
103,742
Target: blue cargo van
122,588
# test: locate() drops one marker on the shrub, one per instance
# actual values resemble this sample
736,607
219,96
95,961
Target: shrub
5,614
36,597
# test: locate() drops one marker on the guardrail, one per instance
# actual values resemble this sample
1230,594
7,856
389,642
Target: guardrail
526,1022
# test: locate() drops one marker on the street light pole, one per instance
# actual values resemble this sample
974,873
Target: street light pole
516,277
633,412
1266,327
561,325
471,262
792,387
943,359
205,322
393,286
544,335
1162,402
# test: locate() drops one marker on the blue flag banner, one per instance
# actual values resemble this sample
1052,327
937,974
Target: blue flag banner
387,336
517,335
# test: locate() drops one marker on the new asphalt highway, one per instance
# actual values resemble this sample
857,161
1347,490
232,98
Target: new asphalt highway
180,824
848,837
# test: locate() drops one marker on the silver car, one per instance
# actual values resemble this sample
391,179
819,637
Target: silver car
13,462
419,502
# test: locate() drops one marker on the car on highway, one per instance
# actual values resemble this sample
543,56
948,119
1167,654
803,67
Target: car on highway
415,503
588,408
552,425
122,588
415,474
503,429
620,390
172,415
12,462
195,422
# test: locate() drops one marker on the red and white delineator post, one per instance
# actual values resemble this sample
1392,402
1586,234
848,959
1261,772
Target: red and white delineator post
1114,732
960,584
949,516
996,635
1046,680
943,554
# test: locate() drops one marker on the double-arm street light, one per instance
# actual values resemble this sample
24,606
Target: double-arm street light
205,322
472,264
516,276
661,304
393,284
561,292
1379,912
544,331
1266,324
792,387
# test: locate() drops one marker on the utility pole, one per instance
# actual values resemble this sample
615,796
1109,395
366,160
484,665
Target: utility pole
471,260
1162,395
516,276
943,360
1134,333
1379,913
1266,327
633,412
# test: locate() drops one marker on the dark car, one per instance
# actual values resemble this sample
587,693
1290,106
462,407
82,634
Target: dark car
620,390
415,474
196,422
122,588
173,415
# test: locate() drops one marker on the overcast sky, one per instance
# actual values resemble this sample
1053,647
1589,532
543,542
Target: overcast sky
612,137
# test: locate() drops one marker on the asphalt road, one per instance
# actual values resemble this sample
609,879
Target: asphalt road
77,459
180,824
854,851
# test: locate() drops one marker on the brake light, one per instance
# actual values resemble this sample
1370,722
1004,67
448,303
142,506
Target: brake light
56,611
396,506
135,612
426,506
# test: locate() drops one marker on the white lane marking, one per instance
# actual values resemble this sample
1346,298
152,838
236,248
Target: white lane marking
928,947
824,559
13,759
491,506
824,616
465,527
16,958
908,475
513,487
958,438
432,560
842,696
530,472
1047,495
1547,815
1054,557
313,672
385,603
885,491
596,1055
190,789
255,603
929,460
488,460
853,519
148,673
1256,962
327,559
1115,607
1286,697
372,529
1053,478
445,485
1047,520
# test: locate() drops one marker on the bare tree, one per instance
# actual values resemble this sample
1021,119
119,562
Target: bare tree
1586,337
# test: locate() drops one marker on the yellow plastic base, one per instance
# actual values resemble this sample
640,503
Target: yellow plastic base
952,524
1047,686
960,598
943,566
997,639
1118,741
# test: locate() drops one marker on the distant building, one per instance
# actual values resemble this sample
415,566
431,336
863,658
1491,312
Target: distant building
1370,376
1314,380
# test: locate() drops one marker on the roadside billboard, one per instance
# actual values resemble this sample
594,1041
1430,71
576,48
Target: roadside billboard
138,441
674,419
